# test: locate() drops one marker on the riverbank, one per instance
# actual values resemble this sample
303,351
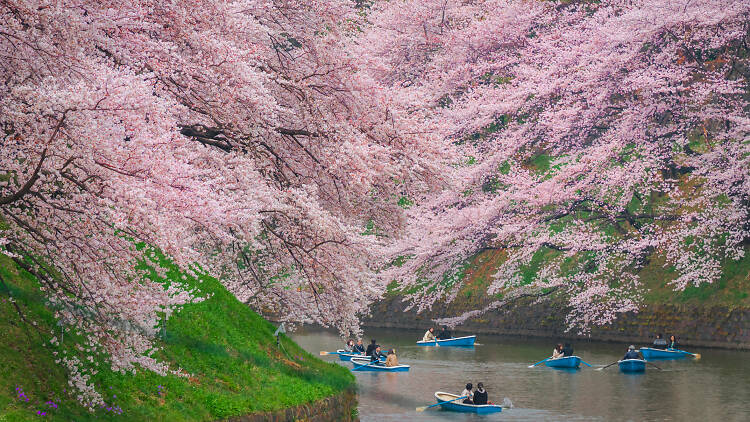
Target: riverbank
234,367
716,326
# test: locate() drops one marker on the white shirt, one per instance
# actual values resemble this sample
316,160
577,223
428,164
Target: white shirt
467,393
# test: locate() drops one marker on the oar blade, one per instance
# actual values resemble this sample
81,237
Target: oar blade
421,409
697,355
322,353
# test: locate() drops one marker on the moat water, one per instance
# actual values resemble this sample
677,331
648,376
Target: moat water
713,388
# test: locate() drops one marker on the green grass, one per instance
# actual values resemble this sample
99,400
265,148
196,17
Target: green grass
229,351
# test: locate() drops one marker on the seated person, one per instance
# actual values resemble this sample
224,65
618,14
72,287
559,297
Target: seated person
349,346
375,356
359,347
659,342
371,347
429,335
557,352
444,334
468,394
567,350
631,353
391,359
672,344
480,396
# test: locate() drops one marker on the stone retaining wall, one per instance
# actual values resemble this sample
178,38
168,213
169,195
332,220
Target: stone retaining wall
341,407
695,326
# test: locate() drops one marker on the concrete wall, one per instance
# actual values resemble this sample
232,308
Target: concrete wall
341,407
694,326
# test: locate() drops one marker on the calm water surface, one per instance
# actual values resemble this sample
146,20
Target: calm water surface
714,388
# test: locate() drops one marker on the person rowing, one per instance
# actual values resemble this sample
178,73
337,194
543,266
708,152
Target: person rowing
444,334
557,352
632,353
375,356
468,394
429,335
349,348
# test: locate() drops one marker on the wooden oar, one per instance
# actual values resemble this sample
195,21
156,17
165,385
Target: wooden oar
423,408
368,364
695,355
605,367
322,353
541,361
654,365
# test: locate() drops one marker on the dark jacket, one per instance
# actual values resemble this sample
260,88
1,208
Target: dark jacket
632,354
370,348
673,345
444,335
568,350
480,397
660,343
359,348
374,356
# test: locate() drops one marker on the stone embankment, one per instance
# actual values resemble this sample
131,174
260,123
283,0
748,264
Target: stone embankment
341,407
695,326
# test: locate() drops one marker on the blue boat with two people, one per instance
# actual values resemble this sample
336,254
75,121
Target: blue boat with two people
570,362
449,401
650,353
364,364
465,341
346,356
632,365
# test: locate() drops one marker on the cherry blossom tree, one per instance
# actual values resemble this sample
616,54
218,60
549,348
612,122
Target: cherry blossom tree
239,138
597,133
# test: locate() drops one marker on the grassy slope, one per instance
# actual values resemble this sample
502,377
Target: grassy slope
229,350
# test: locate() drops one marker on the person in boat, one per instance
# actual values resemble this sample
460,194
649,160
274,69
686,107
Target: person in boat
429,335
659,342
375,356
359,347
672,344
567,350
557,352
371,347
391,359
480,395
444,334
632,353
468,394
349,346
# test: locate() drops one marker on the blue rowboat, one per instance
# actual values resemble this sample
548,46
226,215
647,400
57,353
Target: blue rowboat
651,353
458,406
466,341
564,362
343,355
632,365
359,365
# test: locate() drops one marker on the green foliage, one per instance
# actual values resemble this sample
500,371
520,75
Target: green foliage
405,202
229,351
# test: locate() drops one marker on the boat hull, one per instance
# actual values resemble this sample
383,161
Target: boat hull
632,365
466,341
457,406
348,356
564,362
360,364
650,353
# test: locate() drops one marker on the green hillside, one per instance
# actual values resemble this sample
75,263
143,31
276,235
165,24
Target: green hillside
229,351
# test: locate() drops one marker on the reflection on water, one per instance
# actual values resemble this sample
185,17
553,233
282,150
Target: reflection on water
716,387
